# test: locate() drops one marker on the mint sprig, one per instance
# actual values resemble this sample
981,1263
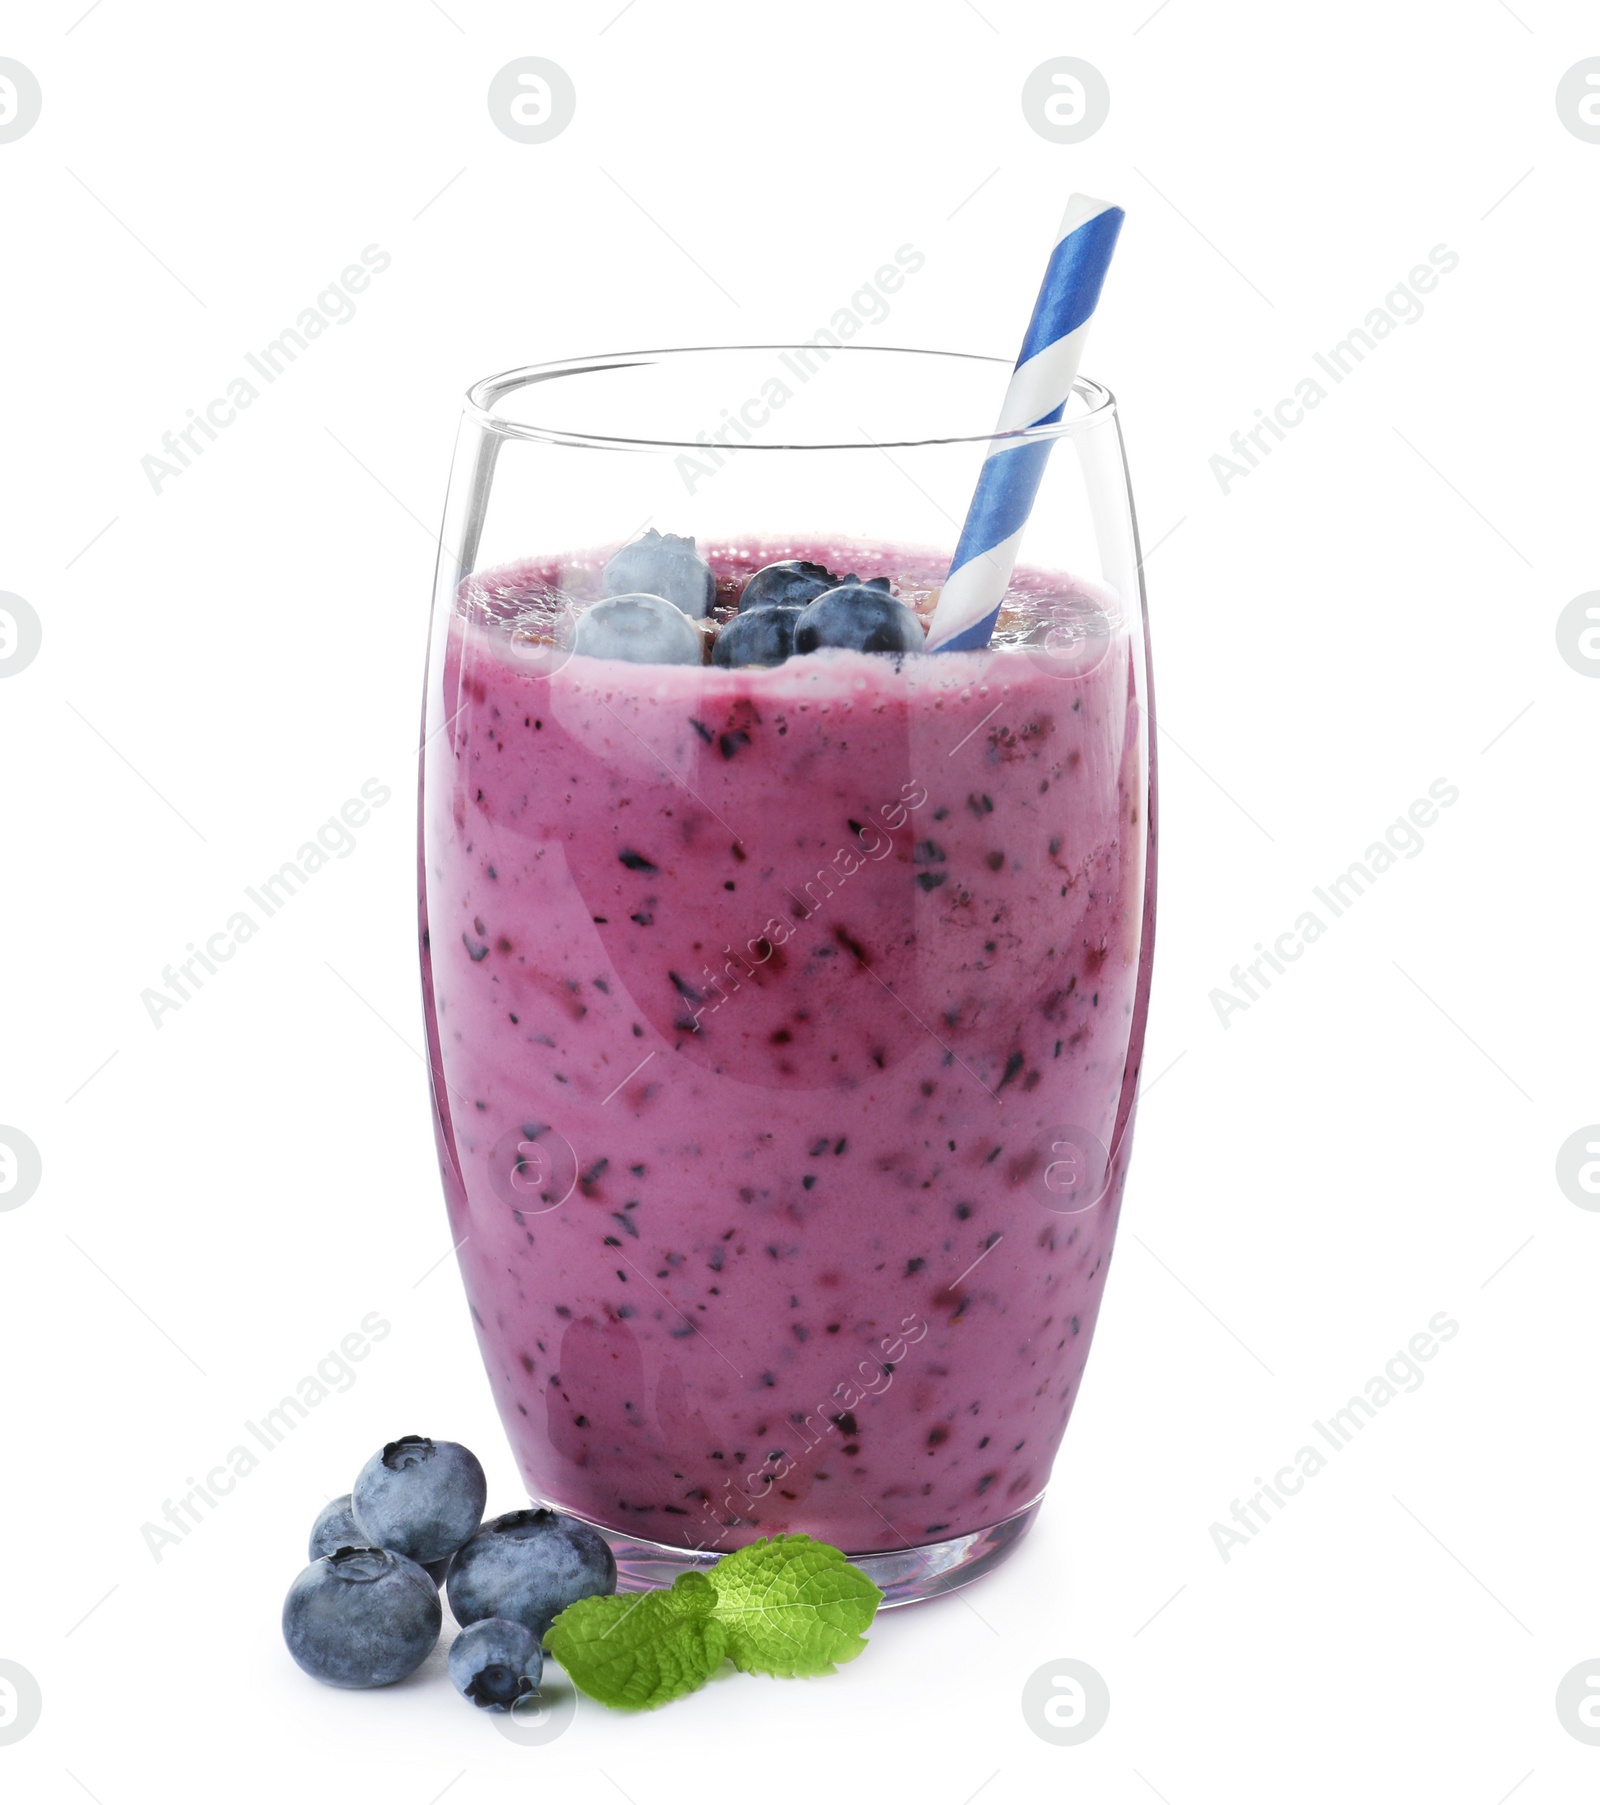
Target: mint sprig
793,1606
787,1606
641,1650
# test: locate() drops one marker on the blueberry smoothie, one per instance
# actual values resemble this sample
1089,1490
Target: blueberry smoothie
786,992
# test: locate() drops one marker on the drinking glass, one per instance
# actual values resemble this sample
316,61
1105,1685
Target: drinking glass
784,1023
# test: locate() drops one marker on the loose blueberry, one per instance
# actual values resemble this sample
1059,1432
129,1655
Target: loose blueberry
529,1565
763,637
639,629
419,1497
664,564
361,1617
494,1662
859,616
791,583
336,1527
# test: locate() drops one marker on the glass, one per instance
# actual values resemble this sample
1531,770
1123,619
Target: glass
784,1024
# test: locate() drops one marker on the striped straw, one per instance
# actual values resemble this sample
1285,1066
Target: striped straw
969,604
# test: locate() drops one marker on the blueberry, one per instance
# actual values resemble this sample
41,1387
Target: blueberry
860,616
494,1662
639,629
663,564
335,1527
791,583
420,1498
765,636
361,1617
529,1565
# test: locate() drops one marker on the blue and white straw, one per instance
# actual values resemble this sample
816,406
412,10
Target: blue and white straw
969,604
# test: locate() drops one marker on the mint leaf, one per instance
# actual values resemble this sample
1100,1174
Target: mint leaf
787,1606
641,1649
792,1606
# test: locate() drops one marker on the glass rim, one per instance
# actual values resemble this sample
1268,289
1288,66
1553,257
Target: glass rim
484,394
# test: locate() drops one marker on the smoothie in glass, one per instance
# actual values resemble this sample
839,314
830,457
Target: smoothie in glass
784,1026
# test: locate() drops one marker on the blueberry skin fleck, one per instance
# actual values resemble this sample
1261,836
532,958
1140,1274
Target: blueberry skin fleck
664,564
420,1498
790,583
765,636
529,1565
336,1527
638,629
361,1617
494,1662
861,618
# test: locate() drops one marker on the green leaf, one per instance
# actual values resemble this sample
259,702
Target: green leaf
787,1606
792,1606
641,1649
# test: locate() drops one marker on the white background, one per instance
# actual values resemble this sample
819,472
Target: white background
1372,609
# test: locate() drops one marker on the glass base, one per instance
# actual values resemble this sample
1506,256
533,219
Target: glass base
903,1575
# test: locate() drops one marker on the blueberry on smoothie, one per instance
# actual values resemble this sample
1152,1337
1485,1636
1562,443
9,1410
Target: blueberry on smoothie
860,617
419,1497
765,636
664,564
494,1662
361,1617
529,1565
639,629
790,583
